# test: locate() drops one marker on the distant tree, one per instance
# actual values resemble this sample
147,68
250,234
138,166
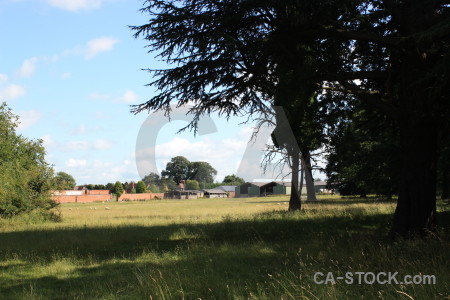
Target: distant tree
110,186
202,171
89,186
140,187
233,180
100,187
210,185
178,169
118,189
152,178
192,185
63,181
168,183
154,189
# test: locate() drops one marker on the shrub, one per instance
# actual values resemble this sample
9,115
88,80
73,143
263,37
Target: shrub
25,176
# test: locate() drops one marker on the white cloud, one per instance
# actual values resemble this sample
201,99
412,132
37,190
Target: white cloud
98,171
79,130
98,45
75,5
99,144
102,144
75,163
93,47
28,67
48,141
77,145
3,77
28,118
224,155
66,75
128,97
205,150
12,92
98,164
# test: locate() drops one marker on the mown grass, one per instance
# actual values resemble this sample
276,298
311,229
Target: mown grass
216,249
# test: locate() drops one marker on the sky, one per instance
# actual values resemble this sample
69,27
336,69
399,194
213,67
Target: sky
71,69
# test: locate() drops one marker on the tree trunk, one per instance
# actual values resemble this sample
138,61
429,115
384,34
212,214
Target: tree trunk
302,177
416,207
418,131
310,189
295,200
445,183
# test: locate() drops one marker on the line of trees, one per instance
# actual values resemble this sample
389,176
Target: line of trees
197,175
367,80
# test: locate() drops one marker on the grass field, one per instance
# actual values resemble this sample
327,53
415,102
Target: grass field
217,249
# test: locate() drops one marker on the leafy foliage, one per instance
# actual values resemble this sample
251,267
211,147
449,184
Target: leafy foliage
202,172
154,188
192,185
24,173
152,178
118,189
140,187
64,181
233,180
180,168
362,158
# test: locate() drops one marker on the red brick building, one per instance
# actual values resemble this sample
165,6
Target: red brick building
79,196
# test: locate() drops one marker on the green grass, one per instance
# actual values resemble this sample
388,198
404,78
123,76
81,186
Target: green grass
216,249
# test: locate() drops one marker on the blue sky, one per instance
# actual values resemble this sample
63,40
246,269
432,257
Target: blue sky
71,68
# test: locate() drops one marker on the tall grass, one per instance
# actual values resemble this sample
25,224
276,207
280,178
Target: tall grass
216,249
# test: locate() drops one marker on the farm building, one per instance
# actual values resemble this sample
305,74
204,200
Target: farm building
256,189
321,187
140,196
181,185
82,195
249,189
229,189
80,188
215,193
276,188
185,194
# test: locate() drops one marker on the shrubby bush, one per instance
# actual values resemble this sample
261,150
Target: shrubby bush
25,176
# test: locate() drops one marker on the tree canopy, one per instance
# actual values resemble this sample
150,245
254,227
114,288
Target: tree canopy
25,176
180,168
64,181
202,171
140,187
192,185
152,178
233,180
118,189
